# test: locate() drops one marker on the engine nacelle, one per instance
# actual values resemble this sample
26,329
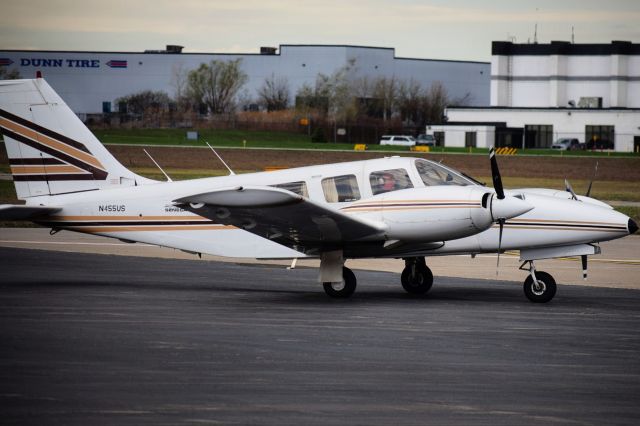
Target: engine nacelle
429,214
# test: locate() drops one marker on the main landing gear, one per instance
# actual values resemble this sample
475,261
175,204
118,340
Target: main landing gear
539,287
341,289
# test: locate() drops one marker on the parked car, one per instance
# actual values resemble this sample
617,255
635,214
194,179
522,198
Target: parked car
567,144
426,140
599,144
397,140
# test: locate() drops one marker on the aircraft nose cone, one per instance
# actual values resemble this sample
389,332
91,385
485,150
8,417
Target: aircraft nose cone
633,226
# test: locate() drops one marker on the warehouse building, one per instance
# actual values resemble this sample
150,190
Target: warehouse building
90,82
544,92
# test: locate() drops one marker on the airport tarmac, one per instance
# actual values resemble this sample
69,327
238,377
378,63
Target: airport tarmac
104,339
617,267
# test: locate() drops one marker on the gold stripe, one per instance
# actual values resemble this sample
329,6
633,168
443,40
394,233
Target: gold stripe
98,229
53,168
51,143
560,227
569,221
387,209
128,218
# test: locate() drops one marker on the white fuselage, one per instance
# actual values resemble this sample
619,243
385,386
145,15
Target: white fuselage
453,214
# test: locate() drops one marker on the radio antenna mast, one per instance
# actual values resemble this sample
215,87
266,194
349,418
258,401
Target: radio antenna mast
158,166
220,158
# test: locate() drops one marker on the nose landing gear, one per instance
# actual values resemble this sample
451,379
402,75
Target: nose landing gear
416,277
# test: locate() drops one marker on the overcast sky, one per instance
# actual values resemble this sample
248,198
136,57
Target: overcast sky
451,29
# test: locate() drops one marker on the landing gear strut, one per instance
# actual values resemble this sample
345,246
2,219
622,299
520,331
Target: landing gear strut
416,277
539,287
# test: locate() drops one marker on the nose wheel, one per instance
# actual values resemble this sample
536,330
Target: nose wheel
416,277
539,287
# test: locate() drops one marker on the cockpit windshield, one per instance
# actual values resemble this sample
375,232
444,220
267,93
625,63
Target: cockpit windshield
433,174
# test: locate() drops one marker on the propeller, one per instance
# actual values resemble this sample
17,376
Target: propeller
584,266
502,207
595,172
495,174
501,222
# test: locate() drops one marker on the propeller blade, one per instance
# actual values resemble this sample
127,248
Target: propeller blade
501,223
595,172
584,266
495,174
568,188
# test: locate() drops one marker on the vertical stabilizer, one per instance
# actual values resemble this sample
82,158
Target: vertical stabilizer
50,150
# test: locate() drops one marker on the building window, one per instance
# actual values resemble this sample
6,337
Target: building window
599,137
538,136
439,136
470,139
341,189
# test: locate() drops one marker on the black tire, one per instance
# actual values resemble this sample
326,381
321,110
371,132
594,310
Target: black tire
343,289
420,283
545,292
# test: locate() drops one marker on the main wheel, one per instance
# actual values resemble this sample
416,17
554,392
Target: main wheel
542,291
344,288
417,279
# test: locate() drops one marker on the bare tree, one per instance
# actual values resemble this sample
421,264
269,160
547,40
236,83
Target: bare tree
5,74
216,85
274,93
179,83
386,91
410,97
138,103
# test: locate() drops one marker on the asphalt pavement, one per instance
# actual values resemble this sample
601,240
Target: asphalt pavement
102,339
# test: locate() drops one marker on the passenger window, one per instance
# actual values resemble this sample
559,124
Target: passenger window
341,189
299,188
389,180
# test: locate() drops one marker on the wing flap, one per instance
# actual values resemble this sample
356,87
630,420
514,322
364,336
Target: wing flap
282,216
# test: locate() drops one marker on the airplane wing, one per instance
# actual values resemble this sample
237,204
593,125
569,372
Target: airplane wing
23,212
282,216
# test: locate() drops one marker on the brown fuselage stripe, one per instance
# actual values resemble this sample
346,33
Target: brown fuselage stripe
98,229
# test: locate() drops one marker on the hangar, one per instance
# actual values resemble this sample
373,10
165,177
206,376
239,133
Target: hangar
544,92
90,82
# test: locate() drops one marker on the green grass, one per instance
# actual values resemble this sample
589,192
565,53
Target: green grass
288,140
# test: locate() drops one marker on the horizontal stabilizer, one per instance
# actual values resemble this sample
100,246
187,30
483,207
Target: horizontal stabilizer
282,216
21,212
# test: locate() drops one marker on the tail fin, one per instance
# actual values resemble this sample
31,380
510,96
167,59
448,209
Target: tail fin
50,150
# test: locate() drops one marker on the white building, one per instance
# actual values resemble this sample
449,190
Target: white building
90,82
543,92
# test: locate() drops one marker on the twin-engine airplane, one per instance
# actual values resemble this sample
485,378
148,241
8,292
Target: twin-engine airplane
394,207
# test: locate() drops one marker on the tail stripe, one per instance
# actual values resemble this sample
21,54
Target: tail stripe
35,127
89,163
82,155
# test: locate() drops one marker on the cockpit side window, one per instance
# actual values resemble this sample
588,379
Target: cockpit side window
299,188
389,180
433,174
341,189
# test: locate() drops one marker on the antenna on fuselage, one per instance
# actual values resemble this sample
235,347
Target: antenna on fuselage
158,166
220,158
